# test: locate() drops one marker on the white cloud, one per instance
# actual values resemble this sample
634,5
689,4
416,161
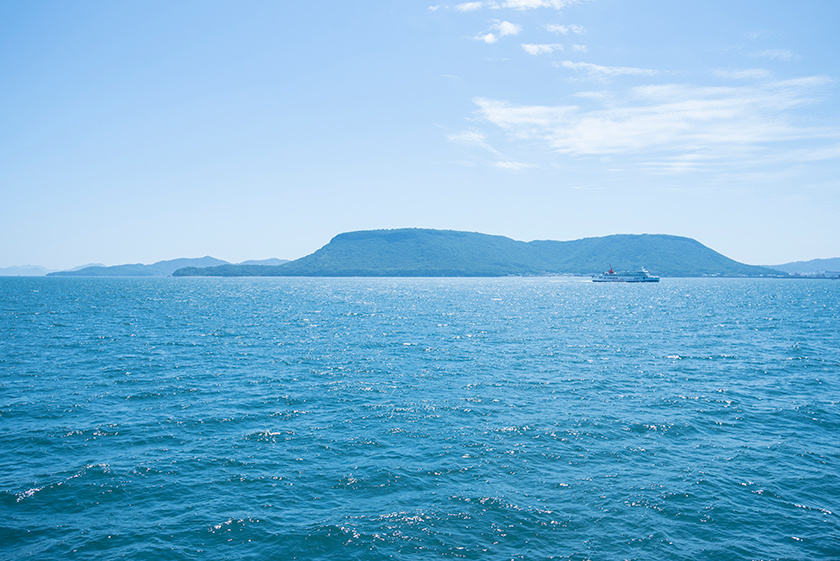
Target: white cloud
673,127
472,138
544,49
514,4
499,30
469,6
564,29
531,4
745,74
783,55
597,70
591,95
511,165
507,28
579,48
830,152
758,34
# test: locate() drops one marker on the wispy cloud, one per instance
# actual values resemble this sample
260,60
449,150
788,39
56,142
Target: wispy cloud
499,30
472,138
758,34
469,6
673,127
514,166
745,74
543,49
783,55
477,139
592,95
531,4
514,4
750,118
564,29
597,70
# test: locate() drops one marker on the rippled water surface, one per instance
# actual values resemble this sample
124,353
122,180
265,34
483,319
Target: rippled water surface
419,419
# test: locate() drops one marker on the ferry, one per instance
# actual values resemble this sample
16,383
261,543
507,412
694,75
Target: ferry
625,276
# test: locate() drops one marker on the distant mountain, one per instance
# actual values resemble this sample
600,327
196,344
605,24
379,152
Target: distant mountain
440,253
23,271
814,266
271,262
159,269
79,267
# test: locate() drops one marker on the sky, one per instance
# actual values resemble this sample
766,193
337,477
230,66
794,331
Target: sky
144,130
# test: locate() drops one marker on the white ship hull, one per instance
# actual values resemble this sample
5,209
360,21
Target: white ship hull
626,276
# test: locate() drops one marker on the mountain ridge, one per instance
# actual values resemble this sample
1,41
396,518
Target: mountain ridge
158,269
441,253
811,266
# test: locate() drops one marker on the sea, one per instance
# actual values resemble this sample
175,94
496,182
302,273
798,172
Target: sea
384,418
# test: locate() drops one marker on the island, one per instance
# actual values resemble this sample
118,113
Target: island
415,252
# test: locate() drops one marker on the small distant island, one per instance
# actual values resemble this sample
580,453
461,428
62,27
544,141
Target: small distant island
415,252
159,269
815,268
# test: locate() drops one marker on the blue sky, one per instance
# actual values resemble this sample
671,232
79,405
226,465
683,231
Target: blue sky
137,131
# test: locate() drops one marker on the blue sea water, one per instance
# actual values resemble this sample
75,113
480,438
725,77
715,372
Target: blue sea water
528,418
